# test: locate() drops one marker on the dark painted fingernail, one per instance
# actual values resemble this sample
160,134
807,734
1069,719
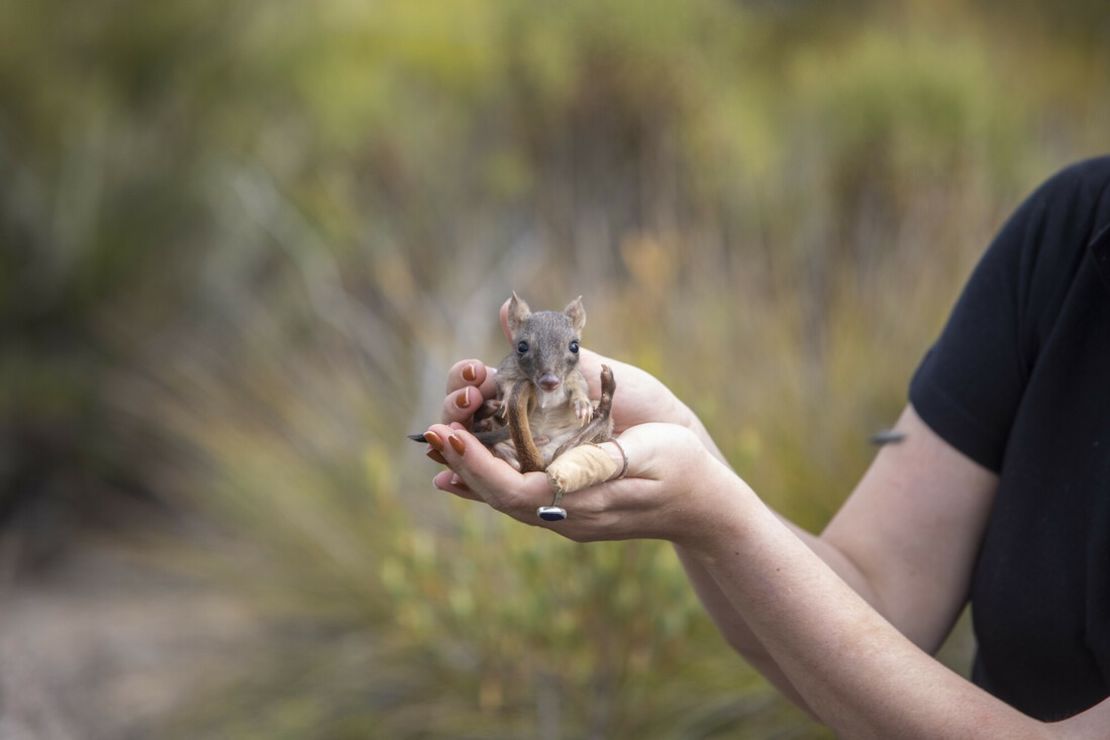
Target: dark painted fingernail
457,444
463,399
470,374
437,457
433,439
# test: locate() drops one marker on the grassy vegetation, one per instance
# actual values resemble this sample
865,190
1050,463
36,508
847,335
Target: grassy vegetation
244,241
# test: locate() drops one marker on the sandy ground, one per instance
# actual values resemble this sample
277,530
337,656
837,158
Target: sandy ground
104,645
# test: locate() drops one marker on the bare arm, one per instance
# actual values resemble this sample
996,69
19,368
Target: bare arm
857,672
905,541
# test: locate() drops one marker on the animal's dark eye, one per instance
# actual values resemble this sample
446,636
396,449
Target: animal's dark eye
574,346
522,347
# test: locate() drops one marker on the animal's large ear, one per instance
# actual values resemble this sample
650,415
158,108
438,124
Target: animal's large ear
518,312
576,313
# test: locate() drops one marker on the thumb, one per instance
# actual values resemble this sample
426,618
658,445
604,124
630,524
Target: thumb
651,448
505,320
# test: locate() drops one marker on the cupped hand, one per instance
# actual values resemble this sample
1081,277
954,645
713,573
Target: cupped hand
673,489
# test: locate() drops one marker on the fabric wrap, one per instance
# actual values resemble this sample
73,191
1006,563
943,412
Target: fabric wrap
581,467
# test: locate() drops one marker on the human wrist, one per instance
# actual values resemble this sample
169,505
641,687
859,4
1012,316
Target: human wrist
720,501
686,417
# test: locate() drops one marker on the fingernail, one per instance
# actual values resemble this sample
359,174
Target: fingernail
437,457
433,439
455,479
463,399
457,444
469,373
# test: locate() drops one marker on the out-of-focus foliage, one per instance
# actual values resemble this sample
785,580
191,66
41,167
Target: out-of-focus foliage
241,242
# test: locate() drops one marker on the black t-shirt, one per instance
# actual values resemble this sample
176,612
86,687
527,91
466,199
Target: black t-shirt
1019,381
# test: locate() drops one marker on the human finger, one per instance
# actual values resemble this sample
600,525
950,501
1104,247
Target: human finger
491,478
472,372
504,315
469,384
449,481
650,449
461,404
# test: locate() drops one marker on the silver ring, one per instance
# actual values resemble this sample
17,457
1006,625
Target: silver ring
551,513
624,458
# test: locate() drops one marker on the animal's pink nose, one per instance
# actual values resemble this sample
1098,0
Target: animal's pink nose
549,382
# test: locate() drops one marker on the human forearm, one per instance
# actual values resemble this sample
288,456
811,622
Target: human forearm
732,626
857,672
729,620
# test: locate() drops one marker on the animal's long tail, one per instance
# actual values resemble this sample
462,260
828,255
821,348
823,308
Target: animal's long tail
488,438
521,431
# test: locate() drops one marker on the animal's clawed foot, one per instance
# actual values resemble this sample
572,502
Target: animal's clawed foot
583,411
608,387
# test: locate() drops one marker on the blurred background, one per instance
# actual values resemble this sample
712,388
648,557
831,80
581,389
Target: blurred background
241,242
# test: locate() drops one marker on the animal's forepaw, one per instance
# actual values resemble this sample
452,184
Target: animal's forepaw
584,411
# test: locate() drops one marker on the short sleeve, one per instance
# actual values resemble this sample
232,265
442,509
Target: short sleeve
970,383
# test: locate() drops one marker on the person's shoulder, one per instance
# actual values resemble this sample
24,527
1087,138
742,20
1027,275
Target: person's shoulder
1095,170
1087,179
1065,211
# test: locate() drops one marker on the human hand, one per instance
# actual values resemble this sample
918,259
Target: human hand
674,489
